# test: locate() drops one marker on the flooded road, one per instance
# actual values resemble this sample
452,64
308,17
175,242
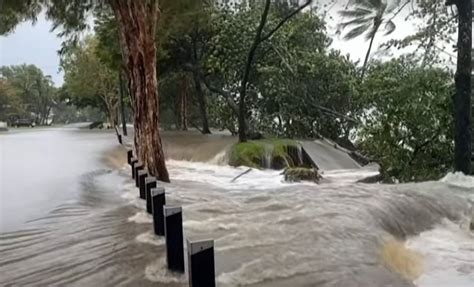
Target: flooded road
41,168
95,231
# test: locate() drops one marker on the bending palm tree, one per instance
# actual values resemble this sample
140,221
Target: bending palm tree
367,16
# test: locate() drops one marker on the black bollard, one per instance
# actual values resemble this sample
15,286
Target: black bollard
157,203
150,182
174,238
129,156
201,270
142,174
133,162
138,167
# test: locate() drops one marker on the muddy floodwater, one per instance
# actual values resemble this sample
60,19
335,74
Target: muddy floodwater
70,215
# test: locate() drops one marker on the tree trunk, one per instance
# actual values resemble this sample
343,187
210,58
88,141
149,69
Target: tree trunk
122,105
183,104
462,97
246,73
202,103
259,38
136,21
366,60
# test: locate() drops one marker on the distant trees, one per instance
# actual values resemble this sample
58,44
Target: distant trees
26,92
88,81
136,22
265,66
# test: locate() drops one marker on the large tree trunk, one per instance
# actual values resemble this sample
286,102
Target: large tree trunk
462,97
136,21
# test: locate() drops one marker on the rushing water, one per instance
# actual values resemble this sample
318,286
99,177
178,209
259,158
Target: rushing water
266,232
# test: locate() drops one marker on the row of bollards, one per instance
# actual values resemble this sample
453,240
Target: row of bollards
168,222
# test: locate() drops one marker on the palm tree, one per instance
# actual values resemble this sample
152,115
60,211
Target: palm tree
368,16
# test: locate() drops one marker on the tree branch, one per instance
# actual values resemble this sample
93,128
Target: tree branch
284,20
222,93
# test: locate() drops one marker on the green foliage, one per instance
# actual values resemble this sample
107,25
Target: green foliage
268,153
27,92
14,12
89,81
10,101
435,33
407,123
296,88
247,154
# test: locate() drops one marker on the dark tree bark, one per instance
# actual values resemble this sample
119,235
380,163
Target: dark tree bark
183,103
122,105
201,97
136,21
245,78
462,97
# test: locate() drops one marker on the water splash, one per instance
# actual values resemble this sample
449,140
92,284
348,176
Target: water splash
459,179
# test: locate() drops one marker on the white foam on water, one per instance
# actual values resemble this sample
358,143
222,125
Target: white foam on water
220,159
130,192
141,217
459,179
150,238
158,272
448,253
348,176
222,176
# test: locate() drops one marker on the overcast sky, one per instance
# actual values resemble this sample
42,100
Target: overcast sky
35,44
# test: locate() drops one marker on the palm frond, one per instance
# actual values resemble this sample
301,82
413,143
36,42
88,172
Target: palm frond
356,21
394,4
370,4
356,12
357,31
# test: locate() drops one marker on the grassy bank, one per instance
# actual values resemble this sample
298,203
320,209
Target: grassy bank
266,153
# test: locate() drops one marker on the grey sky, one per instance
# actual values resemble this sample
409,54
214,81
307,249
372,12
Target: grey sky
35,44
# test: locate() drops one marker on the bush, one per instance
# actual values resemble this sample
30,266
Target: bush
407,122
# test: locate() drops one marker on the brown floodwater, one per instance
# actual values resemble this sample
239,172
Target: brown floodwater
70,215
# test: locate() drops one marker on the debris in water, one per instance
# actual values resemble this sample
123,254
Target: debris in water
243,173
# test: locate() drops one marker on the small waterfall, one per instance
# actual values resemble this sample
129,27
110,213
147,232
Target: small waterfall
222,158
267,156
299,152
295,154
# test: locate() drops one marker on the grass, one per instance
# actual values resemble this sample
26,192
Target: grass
252,153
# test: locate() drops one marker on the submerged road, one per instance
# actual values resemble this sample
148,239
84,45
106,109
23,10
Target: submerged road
68,219
42,168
